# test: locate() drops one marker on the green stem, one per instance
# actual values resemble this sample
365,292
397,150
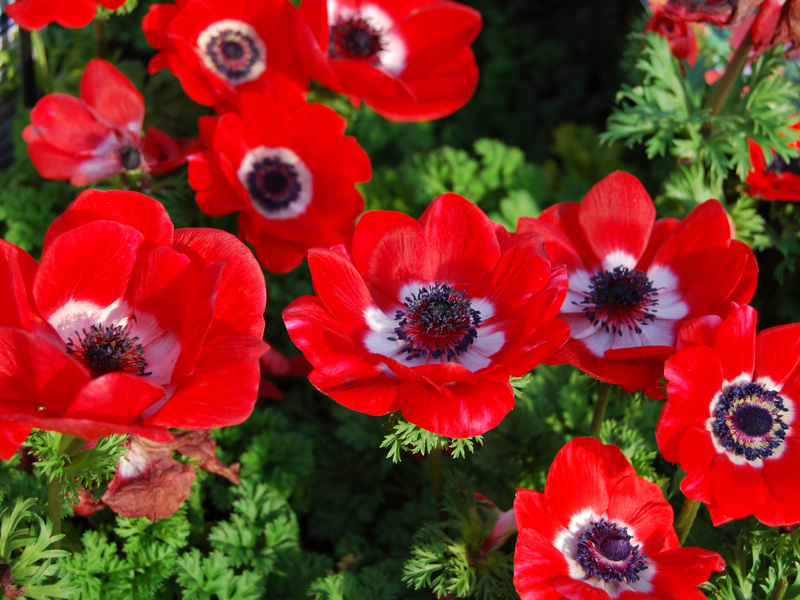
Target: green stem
437,480
683,524
70,446
99,38
780,589
725,84
603,394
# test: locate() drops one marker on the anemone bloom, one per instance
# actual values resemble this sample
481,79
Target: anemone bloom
679,33
98,135
633,280
287,168
35,14
600,531
127,325
410,61
430,318
221,48
731,417
778,180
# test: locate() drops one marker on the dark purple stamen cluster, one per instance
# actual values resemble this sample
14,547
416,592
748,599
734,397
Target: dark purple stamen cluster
620,298
438,322
273,184
108,350
780,166
233,53
130,157
748,421
605,551
356,39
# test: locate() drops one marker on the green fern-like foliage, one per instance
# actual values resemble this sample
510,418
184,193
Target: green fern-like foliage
408,437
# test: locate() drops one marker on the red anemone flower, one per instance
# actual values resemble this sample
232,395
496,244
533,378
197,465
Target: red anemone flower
599,531
127,325
35,14
634,280
731,417
221,48
679,33
430,318
777,181
289,170
410,60
99,134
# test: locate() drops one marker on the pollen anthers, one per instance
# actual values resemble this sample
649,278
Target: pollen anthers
234,50
438,321
355,38
604,551
108,349
619,299
748,421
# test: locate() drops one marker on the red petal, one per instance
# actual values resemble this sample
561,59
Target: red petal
582,476
113,96
35,14
738,489
684,568
68,124
778,354
114,398
736,344
641,506
696,454
91,263
276,255
17,274
573,589
536,563
694,379
617,215
781,473
374,394
11,437
557,245
530,511
701,331
340,287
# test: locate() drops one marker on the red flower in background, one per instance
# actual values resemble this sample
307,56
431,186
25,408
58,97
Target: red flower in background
777,181
127,325
99,134
219,49
289,170
430,318
731,417
35,14
274,365
410,61
634,280
600,531
682,40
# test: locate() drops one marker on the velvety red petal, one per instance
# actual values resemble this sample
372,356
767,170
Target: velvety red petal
617,215
265,120
339,286
214,196
564,217
737,489
11,437
91,263
641,506
536,564
68,124
557,245
530,512
574,589
736,344
144,214
113,96
776,512
374,393
17,274
35,14
223,389
582,476
661,229
685,568
275,254
701,331
781,473
778,354
114,398
696,454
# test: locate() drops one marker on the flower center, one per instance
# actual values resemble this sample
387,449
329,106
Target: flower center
620,298
438,322
749,421
780,166
234,50
130,157
108,350
605,552
273,184
356,39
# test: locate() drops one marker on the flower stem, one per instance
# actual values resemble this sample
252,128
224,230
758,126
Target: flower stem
437,480
780,589
70,446
685,519
725,84
99,39
603,394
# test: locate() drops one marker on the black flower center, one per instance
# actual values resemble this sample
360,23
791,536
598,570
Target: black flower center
273,184
620,298
780,166
604,551
233,54
356,39
130,157
749,421
108,350
438,322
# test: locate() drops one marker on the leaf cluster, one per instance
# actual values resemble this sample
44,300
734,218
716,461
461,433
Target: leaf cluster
407,437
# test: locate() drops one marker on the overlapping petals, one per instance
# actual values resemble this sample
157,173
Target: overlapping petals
634,280
430,318
127,325
731,417
98,135
679,33
599,531
221,48
778,180
35,14
410,61
287,168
